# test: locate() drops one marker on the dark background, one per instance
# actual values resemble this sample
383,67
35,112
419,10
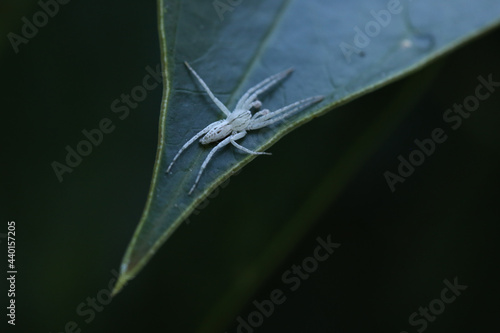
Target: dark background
396,248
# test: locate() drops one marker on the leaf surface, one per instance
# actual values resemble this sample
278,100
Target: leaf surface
236,48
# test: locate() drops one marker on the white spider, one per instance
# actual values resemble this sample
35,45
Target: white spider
237,123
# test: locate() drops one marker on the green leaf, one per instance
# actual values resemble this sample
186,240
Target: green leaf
341,50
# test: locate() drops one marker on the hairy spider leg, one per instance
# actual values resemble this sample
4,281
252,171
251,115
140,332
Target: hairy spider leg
193,139
272,117
239,135
260,113
230,139
208,158
219,104
247,99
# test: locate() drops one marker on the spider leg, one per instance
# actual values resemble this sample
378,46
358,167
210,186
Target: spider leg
193,139
219,104
286,111
246,100
238,136
220,145
260,113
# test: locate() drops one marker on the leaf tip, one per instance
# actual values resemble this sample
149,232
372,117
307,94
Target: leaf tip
123,279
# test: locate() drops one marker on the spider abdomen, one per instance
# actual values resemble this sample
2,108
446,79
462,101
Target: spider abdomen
218,132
